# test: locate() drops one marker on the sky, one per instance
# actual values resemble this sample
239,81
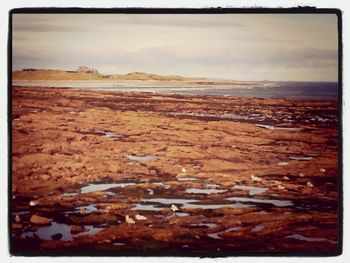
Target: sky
280,47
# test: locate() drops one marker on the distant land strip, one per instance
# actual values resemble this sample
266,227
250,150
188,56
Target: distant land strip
85,73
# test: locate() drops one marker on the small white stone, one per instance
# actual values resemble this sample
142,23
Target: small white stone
174,208
140,217
280,187
255,178
302,175
32,203
129,220
17,219
309,184
322,170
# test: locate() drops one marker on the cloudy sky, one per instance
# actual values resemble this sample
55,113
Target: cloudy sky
230,46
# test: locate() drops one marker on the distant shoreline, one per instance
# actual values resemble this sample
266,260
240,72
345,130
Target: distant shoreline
159,83
93,75
292,91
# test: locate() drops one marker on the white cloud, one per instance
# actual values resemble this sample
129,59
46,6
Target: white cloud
197,45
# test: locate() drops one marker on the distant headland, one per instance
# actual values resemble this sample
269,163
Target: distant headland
87,73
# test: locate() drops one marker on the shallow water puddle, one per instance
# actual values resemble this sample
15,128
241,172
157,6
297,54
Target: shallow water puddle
146,158
107,134
118,244
165,186
216,206
220,116
111,135
182,214
204,191
204,224
86,209
311,239
69,194
169,201
184,179
157,204
212,185
216,235
83,209
275,202
257,228
102,187
230,116
46,232
253,190
301,158
179,214
22,213
146,207
271,127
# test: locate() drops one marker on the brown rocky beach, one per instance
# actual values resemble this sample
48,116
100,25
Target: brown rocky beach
137,172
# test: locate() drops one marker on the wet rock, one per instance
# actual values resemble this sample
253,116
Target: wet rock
113,168
281,187
16,226
40,220
57,236
163,235
45,177
77,229
256,152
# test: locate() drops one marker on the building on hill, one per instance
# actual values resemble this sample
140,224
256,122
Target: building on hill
87,70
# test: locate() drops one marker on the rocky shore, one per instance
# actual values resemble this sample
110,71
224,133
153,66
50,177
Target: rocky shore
124,172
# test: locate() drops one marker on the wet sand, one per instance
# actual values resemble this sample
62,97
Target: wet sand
125,173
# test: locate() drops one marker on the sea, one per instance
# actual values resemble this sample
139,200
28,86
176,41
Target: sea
287,90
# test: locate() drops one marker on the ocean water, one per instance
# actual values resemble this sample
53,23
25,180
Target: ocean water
289,90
